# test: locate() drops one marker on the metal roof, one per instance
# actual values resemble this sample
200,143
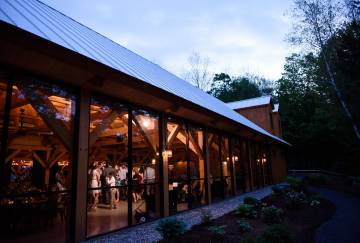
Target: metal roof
46,22
263,100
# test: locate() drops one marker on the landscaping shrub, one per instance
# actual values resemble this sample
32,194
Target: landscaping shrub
278,191
246,211
248,239
314,203
171,229
206,216
296,184
244,226
276,233
272,215
252,201
295,199
317,179
219,231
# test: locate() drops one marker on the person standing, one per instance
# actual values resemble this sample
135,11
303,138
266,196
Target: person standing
111,182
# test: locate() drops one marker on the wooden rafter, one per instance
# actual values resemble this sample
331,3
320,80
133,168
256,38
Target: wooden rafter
145,135
98,130
42,102
12,155
196,146
172,135
40,160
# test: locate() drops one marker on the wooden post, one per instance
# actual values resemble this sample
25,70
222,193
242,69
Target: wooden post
207,167
78,222
165,166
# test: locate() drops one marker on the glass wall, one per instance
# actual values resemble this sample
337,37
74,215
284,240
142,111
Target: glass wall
108,175
145,159
238,166
197,166
245,162
178,167
226,164
38,162
215,167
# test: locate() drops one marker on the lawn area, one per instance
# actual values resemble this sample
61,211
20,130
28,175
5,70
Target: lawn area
289,214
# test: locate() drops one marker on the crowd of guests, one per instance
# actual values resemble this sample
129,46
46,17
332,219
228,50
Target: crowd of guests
109,184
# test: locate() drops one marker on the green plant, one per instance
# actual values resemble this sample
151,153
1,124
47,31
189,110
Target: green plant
219,231
295,199
272,215
244,226
206,216
171,229
278,191
248,239
296,184
252,201
314,203
317,179
276,233
246,211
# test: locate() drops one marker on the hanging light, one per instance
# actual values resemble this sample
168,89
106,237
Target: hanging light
224,163
153,161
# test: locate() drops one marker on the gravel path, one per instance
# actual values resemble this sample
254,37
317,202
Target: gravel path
344,226
147,232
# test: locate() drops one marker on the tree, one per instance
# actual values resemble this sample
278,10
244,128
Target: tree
198,74
312,123
230,89
316,21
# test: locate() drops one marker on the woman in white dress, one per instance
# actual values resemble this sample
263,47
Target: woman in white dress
95,183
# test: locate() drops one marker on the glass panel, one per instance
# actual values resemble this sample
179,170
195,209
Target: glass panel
108,167
216,184
238,164
145,149
244,160
226,166
178,167
147,204
3,87
39,159
196,152
198,192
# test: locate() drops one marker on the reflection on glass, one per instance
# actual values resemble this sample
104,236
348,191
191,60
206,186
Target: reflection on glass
3,88
38,160
145,154
108,167
216,184
197,166
239,166
226,165
177,167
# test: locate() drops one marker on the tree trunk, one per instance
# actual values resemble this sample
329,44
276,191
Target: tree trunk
341,98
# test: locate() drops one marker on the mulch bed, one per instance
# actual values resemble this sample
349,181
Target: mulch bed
302,221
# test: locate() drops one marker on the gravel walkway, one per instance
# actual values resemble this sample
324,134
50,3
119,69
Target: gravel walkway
147,232
344,226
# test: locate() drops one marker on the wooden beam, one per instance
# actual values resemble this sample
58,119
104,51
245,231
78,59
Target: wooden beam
40,160
12,155
98,130
42,103
196,146
56,159
144,135
172,135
